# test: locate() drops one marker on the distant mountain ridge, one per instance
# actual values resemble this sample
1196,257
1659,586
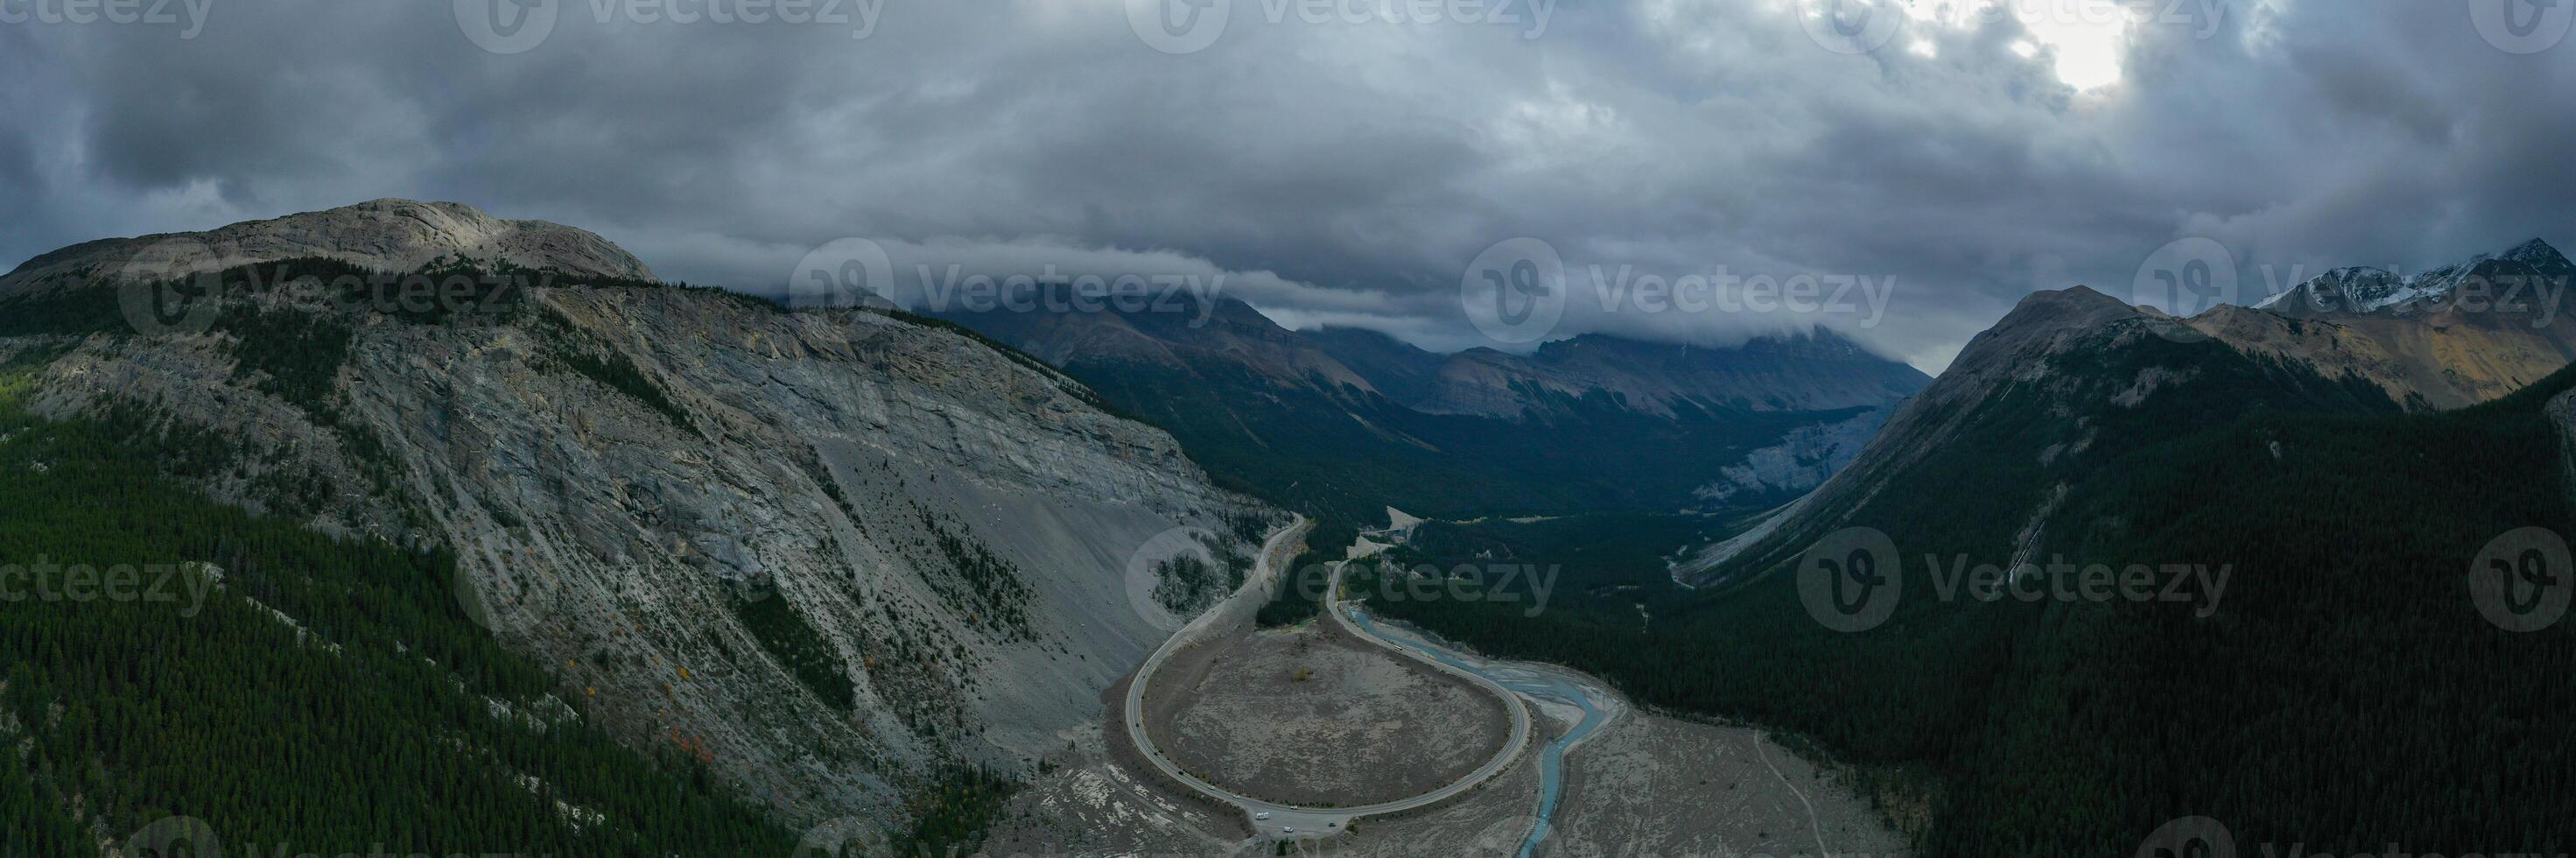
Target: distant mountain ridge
1357,420
1817,370
2362,290
2342,467
2447,338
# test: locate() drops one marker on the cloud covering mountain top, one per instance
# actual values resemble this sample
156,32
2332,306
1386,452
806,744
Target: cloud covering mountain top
1347,161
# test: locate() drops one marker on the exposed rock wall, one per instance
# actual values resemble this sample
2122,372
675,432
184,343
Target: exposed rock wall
953,526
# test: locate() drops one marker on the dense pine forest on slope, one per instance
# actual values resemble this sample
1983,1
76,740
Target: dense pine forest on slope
242,711
2346,694
1303,450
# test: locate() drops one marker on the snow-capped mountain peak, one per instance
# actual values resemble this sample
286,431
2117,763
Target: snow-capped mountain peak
2362,290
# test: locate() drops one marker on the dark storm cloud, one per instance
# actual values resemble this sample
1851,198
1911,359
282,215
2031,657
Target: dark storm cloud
1342,172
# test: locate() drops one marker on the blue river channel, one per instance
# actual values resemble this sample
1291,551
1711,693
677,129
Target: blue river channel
1551,761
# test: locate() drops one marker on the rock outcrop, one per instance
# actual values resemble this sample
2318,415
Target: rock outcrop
828,553
383,235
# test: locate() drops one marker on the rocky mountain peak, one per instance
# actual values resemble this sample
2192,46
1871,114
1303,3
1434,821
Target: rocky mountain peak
2078,298
2539,254
2363,290
383,234
788,503
2042,316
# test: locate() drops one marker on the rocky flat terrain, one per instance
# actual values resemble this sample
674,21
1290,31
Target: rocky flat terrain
1307,716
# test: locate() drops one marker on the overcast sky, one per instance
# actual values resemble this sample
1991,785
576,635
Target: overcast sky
1345,163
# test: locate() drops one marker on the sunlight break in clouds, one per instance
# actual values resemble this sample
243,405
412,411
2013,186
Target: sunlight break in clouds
2087,37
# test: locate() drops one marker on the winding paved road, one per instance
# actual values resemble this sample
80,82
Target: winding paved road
1288,821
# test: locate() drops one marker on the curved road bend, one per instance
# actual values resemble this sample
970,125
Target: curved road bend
1536,682
1297,821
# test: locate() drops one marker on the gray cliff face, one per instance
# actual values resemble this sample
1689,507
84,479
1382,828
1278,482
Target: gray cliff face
384,235
840,549
1803,459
